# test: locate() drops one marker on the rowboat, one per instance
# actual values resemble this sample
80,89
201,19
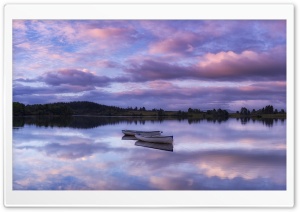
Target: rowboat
155,138
160,146
133,132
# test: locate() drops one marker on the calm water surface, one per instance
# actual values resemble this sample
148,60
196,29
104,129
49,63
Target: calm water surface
88,153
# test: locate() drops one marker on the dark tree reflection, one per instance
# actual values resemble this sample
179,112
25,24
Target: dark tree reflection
86,122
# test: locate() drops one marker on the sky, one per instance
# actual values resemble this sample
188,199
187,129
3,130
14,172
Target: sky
168,64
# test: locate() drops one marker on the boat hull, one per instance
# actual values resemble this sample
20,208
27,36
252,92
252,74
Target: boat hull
155,139
133,132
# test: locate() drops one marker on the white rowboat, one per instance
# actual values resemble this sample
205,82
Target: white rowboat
155,138
133,132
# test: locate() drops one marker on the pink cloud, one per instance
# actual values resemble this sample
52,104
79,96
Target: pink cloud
106,33
228,167
78,32
106,38
222,66
220,57
160,85
91,38
181,43
19,25
25,45
247,63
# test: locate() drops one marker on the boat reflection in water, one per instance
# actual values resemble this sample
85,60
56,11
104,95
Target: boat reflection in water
129,137
155,138
160,146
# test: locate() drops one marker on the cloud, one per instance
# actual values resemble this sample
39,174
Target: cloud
130,58
181,44
207,169
222,66
57,44
248,65
149,70
196,38
104,64
106,38
60,85
19,25
273,29
75,77
213,158
72,151
106,33
241,35
32,94
20,89
216,169
166,95
24,45
158,28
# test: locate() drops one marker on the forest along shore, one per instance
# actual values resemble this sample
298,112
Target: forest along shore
95,109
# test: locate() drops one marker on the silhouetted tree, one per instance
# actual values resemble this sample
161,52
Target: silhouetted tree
269,109
244,111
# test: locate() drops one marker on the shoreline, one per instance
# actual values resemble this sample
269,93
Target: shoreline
196,116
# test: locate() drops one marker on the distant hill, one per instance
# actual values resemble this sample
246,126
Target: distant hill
86,108
65,108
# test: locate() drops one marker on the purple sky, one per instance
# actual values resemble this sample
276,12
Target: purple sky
172,65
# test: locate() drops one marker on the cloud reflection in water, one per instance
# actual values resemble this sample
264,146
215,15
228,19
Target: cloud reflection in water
97,158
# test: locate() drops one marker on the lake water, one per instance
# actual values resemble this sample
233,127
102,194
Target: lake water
88,153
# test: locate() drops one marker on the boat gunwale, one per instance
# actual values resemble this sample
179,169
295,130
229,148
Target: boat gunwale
140,131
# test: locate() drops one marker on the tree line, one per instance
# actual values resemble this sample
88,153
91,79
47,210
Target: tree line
65,108
75,108
91,108
269,109
20,109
